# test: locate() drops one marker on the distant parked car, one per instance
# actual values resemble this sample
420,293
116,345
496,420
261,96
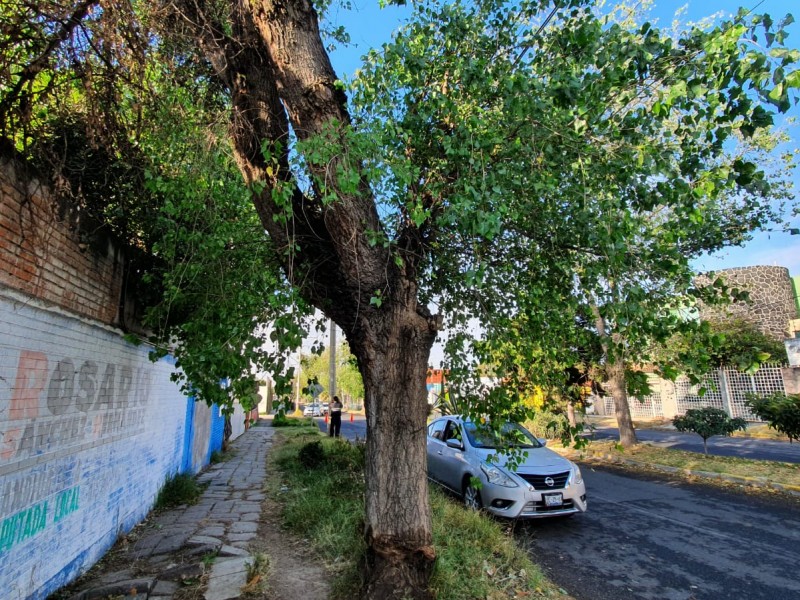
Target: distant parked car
325,408
312,410
544,484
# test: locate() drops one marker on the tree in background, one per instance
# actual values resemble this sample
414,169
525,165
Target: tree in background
743,345
780,411
708,422
717,343
520,165
315,367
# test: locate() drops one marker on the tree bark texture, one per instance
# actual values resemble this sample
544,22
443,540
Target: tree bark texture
616,381
393,361
274,64
573,422
615,372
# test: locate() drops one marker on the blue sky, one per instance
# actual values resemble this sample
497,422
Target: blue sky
369,26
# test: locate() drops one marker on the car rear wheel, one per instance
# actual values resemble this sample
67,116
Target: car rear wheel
472,496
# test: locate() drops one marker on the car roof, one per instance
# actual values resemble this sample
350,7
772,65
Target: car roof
457,418
461,419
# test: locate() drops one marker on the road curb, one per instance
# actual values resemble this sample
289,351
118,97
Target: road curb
756,482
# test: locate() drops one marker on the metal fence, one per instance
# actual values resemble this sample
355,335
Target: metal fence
766,381
692,396
644,407
726,389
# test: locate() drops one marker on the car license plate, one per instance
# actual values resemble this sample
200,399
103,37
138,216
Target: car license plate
553,499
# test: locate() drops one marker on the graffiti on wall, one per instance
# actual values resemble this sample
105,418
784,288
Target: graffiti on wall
34,519
53,405
59,403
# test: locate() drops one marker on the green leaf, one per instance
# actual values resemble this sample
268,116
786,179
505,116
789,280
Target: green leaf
792,80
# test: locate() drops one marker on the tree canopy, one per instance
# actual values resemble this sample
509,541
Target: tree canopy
566,177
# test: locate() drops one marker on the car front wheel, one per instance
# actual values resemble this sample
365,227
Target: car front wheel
472,496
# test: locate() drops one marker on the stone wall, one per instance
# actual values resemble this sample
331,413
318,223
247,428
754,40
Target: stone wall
772,303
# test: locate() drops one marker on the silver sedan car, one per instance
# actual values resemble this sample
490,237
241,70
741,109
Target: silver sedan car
312,410
543,484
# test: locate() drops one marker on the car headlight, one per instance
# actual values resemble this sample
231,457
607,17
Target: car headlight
577,476
496,476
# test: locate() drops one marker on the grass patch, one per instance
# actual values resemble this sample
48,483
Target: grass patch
177,490
325,504
257,575
761,431
221,456
476,559
281,420
776,472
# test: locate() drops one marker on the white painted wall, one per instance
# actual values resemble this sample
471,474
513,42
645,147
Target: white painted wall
89,430
237,421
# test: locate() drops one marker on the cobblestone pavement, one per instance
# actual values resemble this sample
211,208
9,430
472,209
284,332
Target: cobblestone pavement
168,552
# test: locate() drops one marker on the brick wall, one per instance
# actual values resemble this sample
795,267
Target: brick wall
47,256
89,427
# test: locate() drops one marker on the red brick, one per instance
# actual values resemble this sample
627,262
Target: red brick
39,254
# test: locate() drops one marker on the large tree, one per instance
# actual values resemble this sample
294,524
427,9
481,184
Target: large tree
491,152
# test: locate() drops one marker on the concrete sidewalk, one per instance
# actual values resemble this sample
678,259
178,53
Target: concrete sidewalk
168,551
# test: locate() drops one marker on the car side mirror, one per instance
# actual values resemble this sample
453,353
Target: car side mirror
542,441
454,443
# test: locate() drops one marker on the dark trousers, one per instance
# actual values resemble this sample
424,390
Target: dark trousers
336,424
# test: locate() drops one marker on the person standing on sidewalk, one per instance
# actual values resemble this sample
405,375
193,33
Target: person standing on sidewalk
336,417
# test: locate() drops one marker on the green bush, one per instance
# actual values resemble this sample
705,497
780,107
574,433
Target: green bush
780,411
548,425
177,490
281,420
707,422
311,455
346,457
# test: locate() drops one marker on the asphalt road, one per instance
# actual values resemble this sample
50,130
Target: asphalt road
723,446
649,537
646,537
350,430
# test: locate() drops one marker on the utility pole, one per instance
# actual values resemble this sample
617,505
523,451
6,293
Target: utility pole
297,393
332,362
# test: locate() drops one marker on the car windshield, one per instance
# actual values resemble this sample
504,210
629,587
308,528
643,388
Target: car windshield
511,435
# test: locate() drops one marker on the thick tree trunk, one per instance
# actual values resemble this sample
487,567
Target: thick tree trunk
615,372
393,359
616,381
273,62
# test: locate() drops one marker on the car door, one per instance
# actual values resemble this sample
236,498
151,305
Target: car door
435,445
452,460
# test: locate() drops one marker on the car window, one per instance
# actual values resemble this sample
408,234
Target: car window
452,431
511,435
436,428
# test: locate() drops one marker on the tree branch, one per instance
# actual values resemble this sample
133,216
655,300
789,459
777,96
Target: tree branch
37,65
